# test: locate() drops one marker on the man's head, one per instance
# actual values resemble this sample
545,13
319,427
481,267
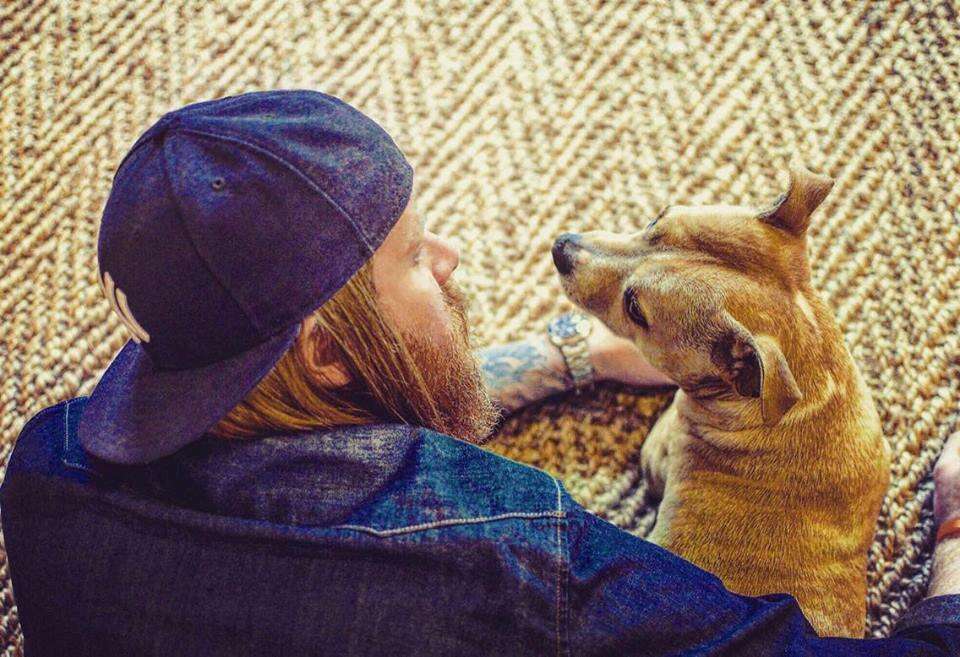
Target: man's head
265,242
391,345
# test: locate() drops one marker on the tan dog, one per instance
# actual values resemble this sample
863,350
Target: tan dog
770,460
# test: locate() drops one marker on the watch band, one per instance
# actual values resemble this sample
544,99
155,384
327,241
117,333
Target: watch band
569,333
577,357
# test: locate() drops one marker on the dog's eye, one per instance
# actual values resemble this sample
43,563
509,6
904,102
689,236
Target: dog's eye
659,216
632,308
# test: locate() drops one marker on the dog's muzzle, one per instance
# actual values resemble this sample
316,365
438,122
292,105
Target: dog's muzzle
564,252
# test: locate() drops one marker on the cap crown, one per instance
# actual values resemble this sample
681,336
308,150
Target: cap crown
231,219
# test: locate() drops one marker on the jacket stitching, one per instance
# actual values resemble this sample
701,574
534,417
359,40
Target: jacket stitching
66,444
559,573
556,483
560,569
409,529
66,438
42,414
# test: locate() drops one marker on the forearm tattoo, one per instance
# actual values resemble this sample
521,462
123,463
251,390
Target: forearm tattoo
523,372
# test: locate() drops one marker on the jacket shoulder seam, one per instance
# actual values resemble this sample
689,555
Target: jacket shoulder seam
527,468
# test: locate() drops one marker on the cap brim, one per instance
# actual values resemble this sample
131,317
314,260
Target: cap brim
138,413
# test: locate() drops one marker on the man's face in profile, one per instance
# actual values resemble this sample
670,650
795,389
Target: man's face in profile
412,273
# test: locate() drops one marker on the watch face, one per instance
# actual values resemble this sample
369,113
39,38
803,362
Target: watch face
564,327
570,325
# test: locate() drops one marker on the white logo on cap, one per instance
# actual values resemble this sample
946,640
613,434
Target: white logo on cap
118,301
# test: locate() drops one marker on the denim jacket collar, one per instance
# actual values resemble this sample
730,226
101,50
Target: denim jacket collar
314,478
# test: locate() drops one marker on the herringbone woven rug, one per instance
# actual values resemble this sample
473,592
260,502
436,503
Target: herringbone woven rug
524,119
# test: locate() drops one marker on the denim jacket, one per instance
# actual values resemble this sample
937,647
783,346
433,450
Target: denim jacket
384,539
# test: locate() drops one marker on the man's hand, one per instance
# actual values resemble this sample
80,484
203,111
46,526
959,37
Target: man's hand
945,578
618,359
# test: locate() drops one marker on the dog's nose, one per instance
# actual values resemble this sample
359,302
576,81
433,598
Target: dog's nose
564,250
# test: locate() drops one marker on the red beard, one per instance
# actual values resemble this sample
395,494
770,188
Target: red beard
454,377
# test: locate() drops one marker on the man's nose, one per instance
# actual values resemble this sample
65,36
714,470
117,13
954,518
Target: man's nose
449,260
564,252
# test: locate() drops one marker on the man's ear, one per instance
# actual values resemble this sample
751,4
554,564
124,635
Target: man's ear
791,211
317,354
755,367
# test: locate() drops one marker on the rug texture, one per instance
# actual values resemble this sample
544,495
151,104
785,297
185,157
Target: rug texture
524,119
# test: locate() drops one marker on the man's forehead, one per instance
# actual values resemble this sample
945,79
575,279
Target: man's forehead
415,221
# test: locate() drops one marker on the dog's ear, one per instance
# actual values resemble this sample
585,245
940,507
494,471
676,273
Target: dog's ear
791,211
755,367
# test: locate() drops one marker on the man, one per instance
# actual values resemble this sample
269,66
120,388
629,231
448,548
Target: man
300,357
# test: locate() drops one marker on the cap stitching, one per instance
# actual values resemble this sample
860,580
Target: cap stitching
174,117
193,244
144,139
293,168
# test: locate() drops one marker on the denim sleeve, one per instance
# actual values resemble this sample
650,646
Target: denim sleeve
627,596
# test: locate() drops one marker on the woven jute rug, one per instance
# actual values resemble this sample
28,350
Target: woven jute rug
524,119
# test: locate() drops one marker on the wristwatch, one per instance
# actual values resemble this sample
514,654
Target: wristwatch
569,332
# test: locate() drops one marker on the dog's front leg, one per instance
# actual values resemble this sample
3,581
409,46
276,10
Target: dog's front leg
656,450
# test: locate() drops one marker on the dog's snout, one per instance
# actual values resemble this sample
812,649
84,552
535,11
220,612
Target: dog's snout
564,251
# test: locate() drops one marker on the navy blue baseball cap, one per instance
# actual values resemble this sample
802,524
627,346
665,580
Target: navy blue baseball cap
228,222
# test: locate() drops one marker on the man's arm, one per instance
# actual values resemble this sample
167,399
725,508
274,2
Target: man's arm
945,578
942,604
523,372
945,575
520,373
627,596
